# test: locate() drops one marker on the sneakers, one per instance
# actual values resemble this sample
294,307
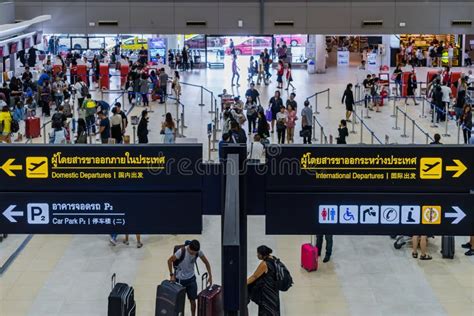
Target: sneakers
470,252
467,245
139,245
126,242
113,242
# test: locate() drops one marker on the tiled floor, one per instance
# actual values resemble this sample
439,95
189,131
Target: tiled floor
70,275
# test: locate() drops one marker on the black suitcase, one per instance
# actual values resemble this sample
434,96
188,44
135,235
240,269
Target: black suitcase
447,247
121,300
170,298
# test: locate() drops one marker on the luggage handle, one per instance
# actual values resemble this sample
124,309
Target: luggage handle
112,279
205,277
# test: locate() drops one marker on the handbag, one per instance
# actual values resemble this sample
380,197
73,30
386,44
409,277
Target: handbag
269,115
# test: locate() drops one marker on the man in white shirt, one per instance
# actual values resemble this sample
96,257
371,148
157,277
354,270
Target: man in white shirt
446,96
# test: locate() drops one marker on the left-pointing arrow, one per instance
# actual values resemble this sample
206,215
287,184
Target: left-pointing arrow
9,167
458,216
9,213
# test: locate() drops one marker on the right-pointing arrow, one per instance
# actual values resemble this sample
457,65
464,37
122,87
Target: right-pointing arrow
458,216
9,213
459,168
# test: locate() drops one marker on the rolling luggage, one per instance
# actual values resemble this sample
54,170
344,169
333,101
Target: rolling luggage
447,247
32,127
170,298
210,300
309,256
121,300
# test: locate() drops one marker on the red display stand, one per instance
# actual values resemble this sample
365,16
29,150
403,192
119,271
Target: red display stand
430,75
104,80
124,69
405,76
455,76
82,72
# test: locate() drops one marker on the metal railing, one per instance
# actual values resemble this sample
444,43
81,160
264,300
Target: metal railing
323,139
373,137
316,97
414,126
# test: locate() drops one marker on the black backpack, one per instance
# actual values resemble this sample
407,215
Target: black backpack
283,276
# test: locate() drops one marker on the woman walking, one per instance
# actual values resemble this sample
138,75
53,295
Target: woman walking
168,128
289,78
262,284
282,119
235,71
142,130
348,99
411,87
397,77
116,123
466,123
176,86
280,72
290,124
275,104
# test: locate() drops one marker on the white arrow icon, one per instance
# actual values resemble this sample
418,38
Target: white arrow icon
9,213
459,215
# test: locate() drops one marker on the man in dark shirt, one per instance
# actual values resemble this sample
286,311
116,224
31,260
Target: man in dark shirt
118,105
163,76
104,127
253,93
27,75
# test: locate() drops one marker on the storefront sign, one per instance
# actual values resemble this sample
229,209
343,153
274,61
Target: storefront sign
343,58
370,214
100,213
92,168
370,169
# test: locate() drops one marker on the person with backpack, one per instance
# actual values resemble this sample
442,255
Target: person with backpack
58,134
262,284
59,118
58,91
181,267
81,132
90,108
82,90
116,124
251,108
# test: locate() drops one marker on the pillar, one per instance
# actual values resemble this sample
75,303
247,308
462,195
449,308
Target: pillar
317,52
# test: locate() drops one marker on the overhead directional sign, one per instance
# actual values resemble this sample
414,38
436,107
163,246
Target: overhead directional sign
100,213
370,214
297,168
91,168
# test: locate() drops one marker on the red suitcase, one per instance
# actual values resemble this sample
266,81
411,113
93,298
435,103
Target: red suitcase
32,129
309,257
210,300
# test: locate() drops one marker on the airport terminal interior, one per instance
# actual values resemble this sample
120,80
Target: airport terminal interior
110,110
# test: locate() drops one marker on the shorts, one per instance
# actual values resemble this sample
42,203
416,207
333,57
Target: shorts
191,287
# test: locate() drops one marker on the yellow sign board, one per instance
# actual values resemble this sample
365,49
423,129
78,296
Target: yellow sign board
431,214
431,168
37,167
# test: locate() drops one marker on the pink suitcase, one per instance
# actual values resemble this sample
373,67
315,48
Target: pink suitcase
309,257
